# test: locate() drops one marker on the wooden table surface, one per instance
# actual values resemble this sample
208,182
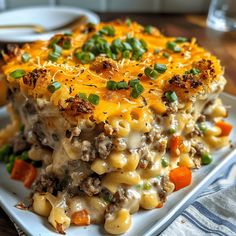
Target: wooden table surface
223,45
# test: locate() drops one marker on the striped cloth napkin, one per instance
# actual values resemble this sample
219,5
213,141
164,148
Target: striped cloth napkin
213,213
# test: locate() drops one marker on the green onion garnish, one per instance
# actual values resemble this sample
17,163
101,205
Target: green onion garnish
16,74
156,51
83,96
166,54
194,71
107,30
94,99
122,85
25,57
53,56
126,54
164,162
111,85
126,46
206,158
173,47
171,96
67,44
150,73
85,57
137,90
132,82
161,68
137,53
54,86
128,21
181,40
148,29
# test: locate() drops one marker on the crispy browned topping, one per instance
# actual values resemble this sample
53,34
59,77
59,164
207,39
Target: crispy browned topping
76,106
31,77
105,66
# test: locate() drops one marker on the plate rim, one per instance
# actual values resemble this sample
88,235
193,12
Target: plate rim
32,37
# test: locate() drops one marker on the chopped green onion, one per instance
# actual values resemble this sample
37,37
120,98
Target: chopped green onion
181,40
111,85
85,57
9,167
116,45
67,44
68,34
54,86
137,54
25,57
206,158
202,126
83,96
107,30
53,42
150,73
94,99
128,21
147,186
171,96
156,51
57,49
144,44
137,90
194,71
166,54
161,68
126,46
164,162
16,74
148,29
53,56
126,54
5,151
122,85
173,47
132,82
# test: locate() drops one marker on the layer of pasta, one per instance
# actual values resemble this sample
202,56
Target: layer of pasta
115,116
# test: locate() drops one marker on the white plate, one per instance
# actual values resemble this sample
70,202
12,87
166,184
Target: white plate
48,17
145,223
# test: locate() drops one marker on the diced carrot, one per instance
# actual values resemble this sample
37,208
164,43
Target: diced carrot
225,128
80,218
24,171
175,145
181,177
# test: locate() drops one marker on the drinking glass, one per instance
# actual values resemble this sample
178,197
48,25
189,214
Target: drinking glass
222,15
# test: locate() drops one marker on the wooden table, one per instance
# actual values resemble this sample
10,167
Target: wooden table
223,45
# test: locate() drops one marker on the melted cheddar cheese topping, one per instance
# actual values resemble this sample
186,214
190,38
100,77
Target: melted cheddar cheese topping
92,77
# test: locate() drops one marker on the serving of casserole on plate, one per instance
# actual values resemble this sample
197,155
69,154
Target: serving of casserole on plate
110,120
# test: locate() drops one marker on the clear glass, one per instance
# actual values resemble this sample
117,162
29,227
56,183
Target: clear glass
222,15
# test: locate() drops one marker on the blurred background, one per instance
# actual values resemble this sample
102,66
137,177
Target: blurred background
164,6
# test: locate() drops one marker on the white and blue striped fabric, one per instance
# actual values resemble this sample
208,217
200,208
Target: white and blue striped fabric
213,213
